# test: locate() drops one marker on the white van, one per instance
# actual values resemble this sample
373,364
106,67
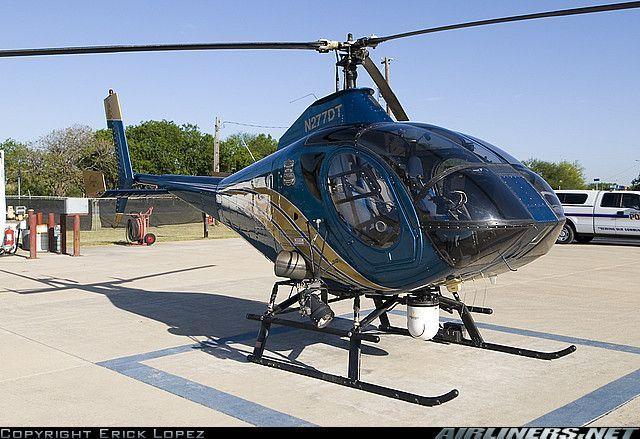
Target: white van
599,213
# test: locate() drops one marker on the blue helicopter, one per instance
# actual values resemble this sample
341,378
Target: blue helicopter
355,203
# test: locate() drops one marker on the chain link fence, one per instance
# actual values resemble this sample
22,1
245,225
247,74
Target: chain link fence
166,210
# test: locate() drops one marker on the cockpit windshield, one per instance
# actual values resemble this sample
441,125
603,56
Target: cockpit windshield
448,176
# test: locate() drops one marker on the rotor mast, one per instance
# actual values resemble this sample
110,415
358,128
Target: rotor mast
351,54
349,63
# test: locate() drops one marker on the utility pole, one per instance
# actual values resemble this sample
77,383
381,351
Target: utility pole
387,75
216,169
216,147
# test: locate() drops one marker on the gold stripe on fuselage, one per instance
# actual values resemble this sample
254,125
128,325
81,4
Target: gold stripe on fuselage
245,202
290,228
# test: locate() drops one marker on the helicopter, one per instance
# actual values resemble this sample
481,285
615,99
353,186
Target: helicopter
355,203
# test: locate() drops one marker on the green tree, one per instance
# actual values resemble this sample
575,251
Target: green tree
561,175
24,163
63,152
635,184
163,147
234,154
101,156
53,164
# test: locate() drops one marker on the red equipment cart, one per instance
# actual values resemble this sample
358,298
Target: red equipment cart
137,227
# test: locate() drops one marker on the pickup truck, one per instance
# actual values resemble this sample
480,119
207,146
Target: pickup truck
599,213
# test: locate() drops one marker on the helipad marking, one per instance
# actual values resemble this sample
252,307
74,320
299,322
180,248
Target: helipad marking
593,405
234,406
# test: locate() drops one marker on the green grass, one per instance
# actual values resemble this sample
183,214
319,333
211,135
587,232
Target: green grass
168,233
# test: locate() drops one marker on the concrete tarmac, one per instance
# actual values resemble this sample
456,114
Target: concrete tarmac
158,336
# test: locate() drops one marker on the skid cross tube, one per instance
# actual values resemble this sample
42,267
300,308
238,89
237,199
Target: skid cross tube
355,336
309,327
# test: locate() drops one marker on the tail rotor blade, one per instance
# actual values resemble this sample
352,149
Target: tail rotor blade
388,94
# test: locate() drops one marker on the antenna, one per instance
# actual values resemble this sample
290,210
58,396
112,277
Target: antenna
305,96
247,146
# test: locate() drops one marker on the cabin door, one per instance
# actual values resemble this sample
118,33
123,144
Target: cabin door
365,214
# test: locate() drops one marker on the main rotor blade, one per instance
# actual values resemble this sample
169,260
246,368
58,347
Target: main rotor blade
388,94
314,45
560,13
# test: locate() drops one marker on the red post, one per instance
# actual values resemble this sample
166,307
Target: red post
63,233
39,216
76,235
32,234
52,233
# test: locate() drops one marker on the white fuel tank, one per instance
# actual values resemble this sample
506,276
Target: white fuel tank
423,317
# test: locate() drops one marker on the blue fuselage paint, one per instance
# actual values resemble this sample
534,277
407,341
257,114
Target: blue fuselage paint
276,204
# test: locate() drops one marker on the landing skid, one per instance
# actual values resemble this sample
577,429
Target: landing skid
355,337
450,333
454,333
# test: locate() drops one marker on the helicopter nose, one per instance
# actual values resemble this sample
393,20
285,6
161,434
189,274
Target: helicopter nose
536,242
481,217
490,248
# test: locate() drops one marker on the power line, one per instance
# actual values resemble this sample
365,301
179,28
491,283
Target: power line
623,172
251,125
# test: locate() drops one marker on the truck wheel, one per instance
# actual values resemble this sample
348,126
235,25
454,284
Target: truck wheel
584,239
566,235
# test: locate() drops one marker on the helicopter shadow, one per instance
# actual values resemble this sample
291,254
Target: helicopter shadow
215,322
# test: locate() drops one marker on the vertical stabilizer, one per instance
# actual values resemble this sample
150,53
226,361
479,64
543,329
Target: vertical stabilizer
114,121
125,171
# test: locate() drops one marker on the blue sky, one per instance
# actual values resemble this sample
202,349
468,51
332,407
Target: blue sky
563,88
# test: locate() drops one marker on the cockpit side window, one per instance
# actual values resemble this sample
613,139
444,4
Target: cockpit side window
363,199
502,154
414,153
417,156
450,178
486,154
